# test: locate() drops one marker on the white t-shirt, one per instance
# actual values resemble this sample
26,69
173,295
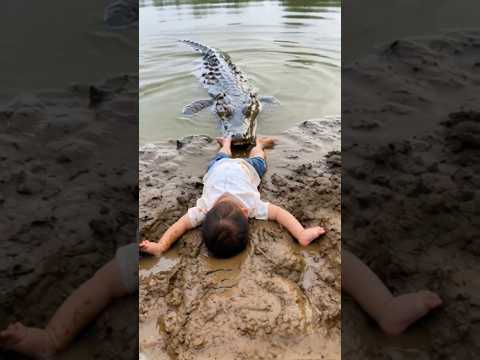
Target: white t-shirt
236,177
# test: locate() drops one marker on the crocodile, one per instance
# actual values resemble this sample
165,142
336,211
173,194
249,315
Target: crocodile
235,103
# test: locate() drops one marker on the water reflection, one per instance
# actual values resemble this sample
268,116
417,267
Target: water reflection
303,17
197,3
296,9
310,6
289,5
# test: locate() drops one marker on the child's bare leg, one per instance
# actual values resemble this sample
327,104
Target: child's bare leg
226,145
78,310
393,314
261,144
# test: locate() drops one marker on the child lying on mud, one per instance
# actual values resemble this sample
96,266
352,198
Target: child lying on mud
392,313
230,197
117,278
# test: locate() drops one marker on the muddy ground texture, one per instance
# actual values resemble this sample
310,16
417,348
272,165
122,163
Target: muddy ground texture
67,202
276,300
419,228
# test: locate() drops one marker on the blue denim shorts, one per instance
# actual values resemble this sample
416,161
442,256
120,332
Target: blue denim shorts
257,162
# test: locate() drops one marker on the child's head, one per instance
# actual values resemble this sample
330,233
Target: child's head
225,228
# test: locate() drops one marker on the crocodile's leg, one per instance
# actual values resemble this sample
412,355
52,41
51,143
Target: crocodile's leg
271,100
196,106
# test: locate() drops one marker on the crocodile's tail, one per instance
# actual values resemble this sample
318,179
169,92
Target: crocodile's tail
197,46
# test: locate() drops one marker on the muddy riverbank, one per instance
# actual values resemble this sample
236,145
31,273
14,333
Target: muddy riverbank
276,300
410,190
67,202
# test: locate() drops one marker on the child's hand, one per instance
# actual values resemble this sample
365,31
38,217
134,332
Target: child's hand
310,234
150,247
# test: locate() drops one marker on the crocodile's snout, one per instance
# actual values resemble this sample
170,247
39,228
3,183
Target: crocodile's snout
241,124
242,138
243,134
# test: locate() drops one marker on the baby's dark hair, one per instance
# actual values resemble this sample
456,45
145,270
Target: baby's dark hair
225,230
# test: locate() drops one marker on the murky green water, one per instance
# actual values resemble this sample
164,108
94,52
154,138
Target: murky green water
288,49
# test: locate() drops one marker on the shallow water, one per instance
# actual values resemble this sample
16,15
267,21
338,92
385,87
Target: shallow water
288,49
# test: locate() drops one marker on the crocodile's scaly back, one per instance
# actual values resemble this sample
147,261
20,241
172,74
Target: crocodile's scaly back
235,101
217,72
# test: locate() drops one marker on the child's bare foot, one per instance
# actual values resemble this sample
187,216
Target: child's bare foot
224,141
402,311
310,234
151,248
29,341
266,142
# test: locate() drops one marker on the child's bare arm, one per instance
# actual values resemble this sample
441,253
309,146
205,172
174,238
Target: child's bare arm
76,312
85,303
173,233
287,220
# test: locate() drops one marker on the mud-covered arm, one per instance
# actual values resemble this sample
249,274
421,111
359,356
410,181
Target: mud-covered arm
288,221
173,233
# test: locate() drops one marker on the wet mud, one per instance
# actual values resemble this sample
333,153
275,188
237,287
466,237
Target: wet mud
67,202
276,300
410,190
